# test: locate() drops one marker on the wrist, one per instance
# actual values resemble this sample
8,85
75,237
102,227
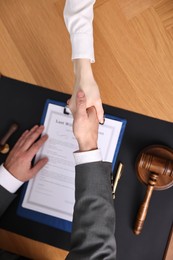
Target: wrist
82,69
8,181
85,147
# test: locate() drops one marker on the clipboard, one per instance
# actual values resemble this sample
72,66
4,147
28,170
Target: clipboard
35,212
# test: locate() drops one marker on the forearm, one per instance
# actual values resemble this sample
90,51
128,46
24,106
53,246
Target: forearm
6,199
8,186
82,69
78,17
94,215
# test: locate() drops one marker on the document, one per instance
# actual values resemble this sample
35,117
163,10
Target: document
52,190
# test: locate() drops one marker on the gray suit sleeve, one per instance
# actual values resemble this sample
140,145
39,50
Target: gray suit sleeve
94,215
5,199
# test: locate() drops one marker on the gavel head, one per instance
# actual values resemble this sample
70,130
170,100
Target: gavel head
156,164
158,160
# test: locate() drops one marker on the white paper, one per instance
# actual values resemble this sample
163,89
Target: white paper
52,190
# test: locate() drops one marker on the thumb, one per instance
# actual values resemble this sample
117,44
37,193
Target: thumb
38,166
92,114
80,103
100,112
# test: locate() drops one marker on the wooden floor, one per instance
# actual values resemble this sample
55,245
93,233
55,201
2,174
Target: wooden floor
133,49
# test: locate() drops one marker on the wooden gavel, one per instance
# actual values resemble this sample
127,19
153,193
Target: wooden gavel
4,147
156,167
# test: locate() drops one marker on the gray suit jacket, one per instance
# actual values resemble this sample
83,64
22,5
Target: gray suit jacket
5,199
94,215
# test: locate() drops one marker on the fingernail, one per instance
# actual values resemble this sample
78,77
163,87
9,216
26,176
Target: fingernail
81,94
102,123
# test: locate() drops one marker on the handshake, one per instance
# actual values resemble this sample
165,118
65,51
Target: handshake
85,128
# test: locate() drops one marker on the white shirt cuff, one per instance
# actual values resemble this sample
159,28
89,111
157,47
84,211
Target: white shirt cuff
82,46
87,157
8,181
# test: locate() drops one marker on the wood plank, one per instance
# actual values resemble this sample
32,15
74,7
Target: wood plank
164,8
125,46
132,8
40,36
12,63
29,248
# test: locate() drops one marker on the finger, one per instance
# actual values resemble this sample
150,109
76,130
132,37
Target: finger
36,146
25,135
100,111
68,101
72,105
32,137
80,103
92,114
17,144
38,166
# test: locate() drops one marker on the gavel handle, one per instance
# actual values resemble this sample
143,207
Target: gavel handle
142,212
10,131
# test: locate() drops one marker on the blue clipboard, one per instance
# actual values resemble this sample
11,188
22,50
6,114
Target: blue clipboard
51,220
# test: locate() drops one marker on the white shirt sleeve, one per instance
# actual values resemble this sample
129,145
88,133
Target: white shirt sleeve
8,181
78,17
87,157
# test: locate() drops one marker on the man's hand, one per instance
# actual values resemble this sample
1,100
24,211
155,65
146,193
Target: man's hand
85,125
18,162
85,81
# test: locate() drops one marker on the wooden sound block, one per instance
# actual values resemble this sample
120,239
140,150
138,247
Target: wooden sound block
163,182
